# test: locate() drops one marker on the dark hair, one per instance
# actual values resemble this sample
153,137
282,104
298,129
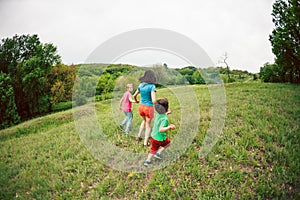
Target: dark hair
149,77
162,106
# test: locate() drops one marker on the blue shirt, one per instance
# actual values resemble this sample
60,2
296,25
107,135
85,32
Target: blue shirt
145,90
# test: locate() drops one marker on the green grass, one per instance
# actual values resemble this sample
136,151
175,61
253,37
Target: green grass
256,157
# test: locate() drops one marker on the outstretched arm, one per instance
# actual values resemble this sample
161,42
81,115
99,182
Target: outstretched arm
133,100
169,111
135,96
165,129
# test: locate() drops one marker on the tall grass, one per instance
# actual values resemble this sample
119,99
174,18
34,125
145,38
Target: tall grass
256,157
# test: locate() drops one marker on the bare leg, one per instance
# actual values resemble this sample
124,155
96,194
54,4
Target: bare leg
148,130
160,150
150,155
141,128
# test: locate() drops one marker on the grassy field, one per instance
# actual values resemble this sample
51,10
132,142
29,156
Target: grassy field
256,157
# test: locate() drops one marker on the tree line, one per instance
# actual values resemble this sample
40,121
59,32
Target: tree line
33,79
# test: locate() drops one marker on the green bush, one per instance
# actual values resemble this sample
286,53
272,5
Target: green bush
62,106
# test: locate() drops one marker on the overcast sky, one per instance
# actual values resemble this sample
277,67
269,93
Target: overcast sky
239,27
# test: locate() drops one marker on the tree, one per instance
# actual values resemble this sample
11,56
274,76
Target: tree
255,77
61,81
270,73
285,38
34,87
224,58
106,83
28,61
57,92
197,78
192,75
8,109
16,50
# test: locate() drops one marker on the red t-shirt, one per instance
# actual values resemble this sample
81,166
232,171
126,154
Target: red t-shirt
127,104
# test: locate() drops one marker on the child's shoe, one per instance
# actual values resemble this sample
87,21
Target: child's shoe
158,156
146,163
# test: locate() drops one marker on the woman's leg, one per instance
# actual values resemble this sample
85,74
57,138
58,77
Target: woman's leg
148,130
142,127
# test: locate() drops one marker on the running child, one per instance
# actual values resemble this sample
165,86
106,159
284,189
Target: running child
159,139
126,107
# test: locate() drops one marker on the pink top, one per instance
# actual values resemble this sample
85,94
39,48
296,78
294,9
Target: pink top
127,104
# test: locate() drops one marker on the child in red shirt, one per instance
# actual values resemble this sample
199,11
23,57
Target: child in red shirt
126,107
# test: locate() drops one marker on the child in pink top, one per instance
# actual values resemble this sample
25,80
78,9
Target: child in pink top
126,107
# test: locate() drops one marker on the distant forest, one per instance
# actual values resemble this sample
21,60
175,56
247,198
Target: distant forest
34,82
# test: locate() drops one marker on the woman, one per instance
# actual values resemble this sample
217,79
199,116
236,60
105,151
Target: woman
148,98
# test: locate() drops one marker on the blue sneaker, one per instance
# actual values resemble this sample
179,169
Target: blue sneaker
158,156
146,163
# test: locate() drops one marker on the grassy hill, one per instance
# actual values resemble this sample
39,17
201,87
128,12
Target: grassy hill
257,155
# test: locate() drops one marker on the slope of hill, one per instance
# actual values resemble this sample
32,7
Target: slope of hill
257,155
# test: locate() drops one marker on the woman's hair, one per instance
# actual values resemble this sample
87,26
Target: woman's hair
162,106
149,77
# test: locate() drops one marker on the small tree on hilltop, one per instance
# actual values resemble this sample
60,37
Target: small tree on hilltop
223,60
